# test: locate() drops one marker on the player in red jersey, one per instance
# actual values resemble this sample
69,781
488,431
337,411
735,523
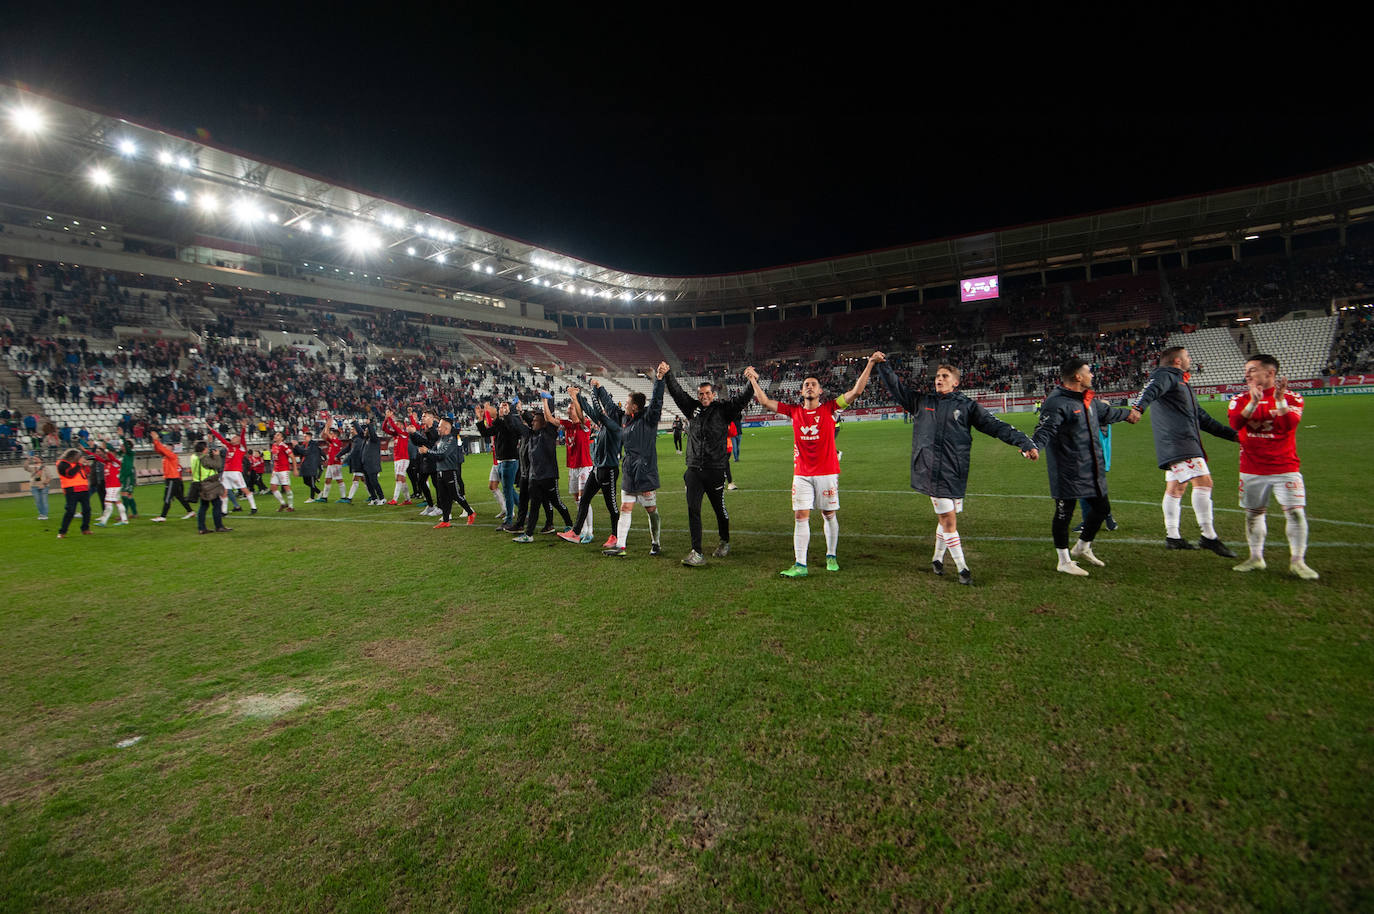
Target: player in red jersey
815,464
107,455
283,462
333,463
1267,416
400,456
232,476
578,441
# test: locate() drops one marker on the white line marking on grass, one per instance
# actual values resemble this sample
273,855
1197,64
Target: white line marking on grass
1115,501
919,538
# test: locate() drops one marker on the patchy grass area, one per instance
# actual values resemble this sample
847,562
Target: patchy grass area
344,709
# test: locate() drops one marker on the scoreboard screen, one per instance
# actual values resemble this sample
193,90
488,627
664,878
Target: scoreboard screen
977,288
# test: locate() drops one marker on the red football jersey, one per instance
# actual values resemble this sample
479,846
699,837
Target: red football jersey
281,458
813,439
1268,442
579,444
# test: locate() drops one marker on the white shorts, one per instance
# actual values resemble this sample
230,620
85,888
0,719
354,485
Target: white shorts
946,505
577,479
233,480
821,492
495,475
401,466
647,499
1287,488
281,478
112,496
1188,469
334,471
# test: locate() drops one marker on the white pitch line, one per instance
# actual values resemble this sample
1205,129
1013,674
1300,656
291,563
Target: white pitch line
1115,501
919,538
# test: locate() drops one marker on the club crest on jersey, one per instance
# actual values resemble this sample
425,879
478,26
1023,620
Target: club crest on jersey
956,414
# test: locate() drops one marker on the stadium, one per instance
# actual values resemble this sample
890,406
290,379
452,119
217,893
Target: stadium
340,706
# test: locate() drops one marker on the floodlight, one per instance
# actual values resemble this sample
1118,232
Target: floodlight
306,225
100,177
128,147
327,231
476,267
271,217
410,251
183,162
165,158
29,120
488,268
246,211
208,203
441,258
179,195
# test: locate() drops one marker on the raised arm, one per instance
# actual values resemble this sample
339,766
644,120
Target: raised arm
686,404
655,410
905,396
761,398
862,383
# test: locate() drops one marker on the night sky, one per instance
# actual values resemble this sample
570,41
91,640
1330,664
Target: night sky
660,152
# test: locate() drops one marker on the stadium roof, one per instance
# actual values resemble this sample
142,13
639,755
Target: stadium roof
157,185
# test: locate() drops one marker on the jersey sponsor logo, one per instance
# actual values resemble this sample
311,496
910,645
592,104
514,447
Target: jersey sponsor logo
957,413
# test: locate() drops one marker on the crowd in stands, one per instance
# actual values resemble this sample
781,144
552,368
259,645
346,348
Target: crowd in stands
1353,350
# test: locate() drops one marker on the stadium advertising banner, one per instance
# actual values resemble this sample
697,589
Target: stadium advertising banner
978,288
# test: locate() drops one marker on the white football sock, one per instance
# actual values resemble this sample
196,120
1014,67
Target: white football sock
587,524
1064,557
353,488
324,493
655,524
105,515
832,533
252,502
396,492
956,549
939,545
801,540
624,529
123,515
290,499
1256,528
500,499
277,495
1296,528
1173,511
1202,508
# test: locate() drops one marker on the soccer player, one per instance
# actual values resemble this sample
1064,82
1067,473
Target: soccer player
283,462
637,425
1177,427
941,441
1266,417
1070,434
171,481
128,477
232,476
578,443
605,454
815,463
677,433
542,447
107,456
334,445
422,464
400,457
708,429
445,451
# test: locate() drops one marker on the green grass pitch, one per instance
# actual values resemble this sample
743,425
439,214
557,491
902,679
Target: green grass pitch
343,709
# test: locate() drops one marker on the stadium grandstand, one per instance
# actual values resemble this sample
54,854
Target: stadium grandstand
149,280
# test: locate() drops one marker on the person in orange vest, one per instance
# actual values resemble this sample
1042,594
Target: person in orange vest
171,481
74,474
731,443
